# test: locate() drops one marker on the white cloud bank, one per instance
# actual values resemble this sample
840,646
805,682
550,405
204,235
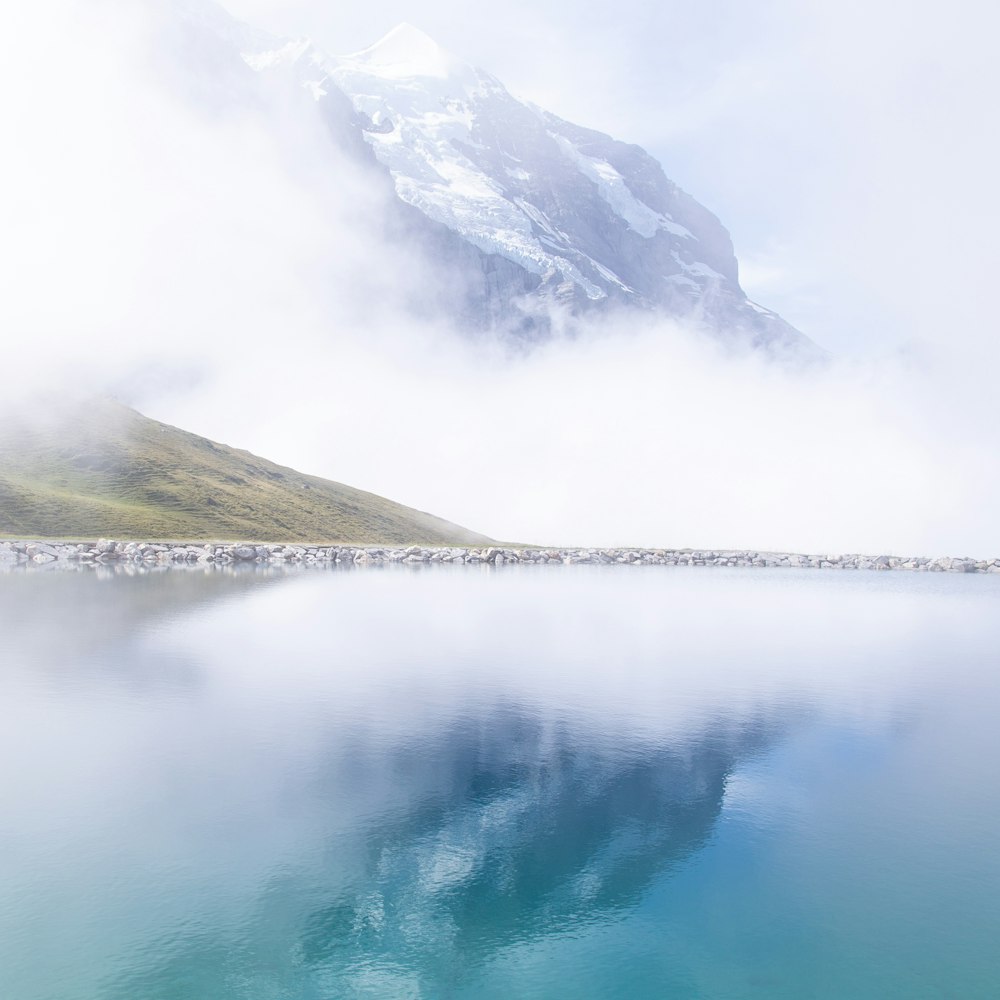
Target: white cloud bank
176,231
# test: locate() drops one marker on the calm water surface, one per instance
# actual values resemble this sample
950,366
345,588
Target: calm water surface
541,783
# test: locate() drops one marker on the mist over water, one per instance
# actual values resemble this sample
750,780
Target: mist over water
608,782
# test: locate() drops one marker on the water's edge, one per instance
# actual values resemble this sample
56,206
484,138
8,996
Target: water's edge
105,551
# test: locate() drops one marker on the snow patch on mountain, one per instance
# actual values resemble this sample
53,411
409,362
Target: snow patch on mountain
290,52
407,52
614,189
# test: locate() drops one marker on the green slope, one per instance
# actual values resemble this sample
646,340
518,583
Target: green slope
104,469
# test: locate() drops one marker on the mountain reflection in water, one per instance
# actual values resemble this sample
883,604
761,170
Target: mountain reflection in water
528,832
514,828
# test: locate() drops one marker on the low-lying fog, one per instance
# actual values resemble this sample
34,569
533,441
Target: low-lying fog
179,236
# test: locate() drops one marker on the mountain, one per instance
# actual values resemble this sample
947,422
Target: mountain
534,220
101,468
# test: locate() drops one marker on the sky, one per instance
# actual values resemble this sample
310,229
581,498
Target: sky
194,245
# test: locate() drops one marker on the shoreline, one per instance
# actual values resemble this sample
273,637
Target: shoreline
111,552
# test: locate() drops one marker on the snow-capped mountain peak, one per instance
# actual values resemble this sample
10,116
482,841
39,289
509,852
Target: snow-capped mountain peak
519,210
406,52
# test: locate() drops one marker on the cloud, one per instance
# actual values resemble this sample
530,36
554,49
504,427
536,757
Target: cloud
641,435
190,237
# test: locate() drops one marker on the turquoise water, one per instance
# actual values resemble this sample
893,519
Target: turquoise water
539,782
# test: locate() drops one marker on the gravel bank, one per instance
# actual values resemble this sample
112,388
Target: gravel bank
106,551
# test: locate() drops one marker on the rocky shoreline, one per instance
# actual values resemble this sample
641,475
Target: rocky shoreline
208,555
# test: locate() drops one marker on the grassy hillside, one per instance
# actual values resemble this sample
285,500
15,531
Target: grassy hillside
104,469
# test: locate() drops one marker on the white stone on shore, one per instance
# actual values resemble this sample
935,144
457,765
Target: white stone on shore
207,556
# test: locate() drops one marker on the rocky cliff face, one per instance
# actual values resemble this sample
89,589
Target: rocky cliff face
531,217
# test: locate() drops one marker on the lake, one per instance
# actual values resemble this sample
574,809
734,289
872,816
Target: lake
531,782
